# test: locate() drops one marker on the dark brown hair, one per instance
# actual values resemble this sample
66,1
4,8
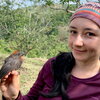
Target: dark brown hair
62,67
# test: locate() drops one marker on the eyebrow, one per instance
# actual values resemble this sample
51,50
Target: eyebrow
84,28
72,27
89,29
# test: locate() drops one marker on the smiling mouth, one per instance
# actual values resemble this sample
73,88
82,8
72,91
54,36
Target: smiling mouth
80,51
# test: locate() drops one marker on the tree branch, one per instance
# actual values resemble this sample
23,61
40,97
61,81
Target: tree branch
67,10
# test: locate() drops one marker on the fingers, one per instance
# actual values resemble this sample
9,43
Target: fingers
12,78
9,77
10,84
6,76
15,73
3,80
10,73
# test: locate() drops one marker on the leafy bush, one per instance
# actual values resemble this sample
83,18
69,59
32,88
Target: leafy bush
33,30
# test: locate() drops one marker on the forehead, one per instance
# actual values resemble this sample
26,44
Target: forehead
84,23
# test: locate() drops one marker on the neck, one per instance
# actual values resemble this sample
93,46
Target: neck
86,69
88,65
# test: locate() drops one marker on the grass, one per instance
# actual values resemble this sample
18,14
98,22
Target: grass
28,72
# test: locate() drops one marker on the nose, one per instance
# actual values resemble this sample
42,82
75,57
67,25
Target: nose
78,41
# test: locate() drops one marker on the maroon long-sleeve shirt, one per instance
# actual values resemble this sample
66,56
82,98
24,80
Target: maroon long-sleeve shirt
79,89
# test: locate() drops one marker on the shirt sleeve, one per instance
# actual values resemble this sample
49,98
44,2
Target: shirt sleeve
34,92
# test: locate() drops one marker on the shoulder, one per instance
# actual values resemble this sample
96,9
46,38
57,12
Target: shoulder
60,60
47,72
62,56
48,64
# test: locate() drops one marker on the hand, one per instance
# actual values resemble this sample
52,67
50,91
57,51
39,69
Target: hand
9,85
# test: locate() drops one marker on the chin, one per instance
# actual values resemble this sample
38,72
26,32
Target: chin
80,57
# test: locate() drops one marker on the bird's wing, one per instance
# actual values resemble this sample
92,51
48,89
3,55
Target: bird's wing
9,66
5,70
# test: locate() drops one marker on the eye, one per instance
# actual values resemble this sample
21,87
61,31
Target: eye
72,31
90,34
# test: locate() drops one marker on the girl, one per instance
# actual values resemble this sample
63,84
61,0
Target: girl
71,75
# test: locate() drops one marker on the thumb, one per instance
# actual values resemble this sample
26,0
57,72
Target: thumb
15,79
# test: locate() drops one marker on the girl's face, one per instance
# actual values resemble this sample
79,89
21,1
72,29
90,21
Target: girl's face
84,39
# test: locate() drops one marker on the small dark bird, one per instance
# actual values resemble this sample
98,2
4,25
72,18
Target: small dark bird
12,62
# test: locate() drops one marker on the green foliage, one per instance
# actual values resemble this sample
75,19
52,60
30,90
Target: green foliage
33,30
4,47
